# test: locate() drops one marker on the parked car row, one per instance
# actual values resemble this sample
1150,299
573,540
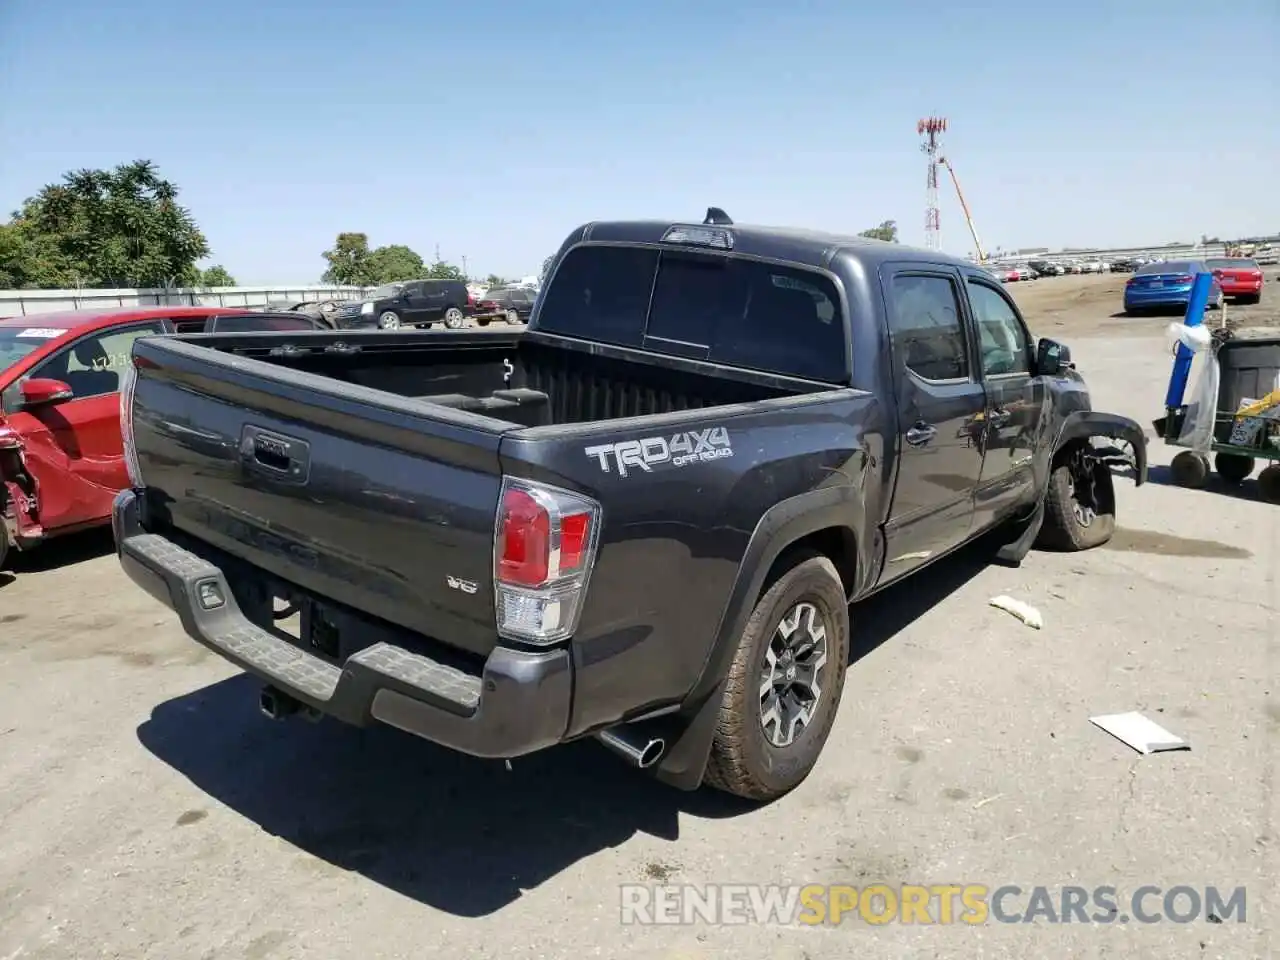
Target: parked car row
424,303
61,453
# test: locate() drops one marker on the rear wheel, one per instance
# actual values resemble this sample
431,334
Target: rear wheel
1251,298
1080,504
1233,467
784,685
1269,484
513,317
1190,469
453,318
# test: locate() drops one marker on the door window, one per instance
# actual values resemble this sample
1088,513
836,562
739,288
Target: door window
92,366
1004,342
927,331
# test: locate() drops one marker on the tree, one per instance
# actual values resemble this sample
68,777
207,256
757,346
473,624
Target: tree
349,261
887,231
114,228
395,262
443,270
217,276
493,280
546,268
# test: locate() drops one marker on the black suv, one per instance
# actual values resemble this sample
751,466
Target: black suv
412,303
513,304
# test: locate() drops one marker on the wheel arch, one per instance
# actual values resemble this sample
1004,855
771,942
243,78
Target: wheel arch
824,521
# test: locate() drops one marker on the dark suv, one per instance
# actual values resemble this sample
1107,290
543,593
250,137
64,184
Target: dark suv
513,304
412,303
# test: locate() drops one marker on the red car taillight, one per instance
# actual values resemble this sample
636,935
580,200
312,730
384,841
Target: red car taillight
544,549
1183,278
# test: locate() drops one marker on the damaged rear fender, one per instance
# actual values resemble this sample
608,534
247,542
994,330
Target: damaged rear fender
1087,424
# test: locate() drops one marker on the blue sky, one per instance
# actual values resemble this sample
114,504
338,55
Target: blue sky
491,129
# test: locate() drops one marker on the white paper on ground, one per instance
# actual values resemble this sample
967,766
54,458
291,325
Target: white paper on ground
1145,736
1023,611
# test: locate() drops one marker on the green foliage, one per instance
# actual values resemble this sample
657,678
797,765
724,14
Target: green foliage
887,231
349,261
393,263
103,228
217,276
493,280
444,270
352,262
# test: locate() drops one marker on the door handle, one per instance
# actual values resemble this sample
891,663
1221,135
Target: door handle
921,433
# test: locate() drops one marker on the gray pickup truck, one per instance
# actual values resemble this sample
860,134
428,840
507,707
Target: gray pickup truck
644,519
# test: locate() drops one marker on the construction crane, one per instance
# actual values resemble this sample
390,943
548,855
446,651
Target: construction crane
968,218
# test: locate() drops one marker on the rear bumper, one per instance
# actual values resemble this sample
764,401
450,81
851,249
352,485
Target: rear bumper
519,704
1157,298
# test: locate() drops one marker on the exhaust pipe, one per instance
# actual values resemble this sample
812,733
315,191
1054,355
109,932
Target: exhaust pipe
637,748
277,704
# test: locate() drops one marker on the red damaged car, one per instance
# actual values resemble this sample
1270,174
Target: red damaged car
61,453
1241,277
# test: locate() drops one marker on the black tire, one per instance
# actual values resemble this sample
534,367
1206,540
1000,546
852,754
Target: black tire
1079,506
1251,298
1190,470
1269,484
1233,467
743,759
389,320
513,317
454,318
482,323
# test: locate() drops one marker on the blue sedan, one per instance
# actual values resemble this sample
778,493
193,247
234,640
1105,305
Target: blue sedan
1165,285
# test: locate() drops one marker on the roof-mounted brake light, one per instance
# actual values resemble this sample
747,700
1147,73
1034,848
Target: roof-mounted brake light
718,217
715,237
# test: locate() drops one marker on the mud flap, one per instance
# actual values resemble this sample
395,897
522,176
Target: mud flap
1012,554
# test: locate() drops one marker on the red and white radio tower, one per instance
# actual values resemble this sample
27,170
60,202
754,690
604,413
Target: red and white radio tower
929,130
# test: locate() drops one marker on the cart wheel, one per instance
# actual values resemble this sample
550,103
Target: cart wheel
1190,469
1233,467
1269,484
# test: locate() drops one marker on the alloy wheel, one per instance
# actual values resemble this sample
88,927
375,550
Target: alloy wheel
790,681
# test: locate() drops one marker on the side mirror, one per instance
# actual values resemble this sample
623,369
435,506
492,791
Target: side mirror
1052,358
40,392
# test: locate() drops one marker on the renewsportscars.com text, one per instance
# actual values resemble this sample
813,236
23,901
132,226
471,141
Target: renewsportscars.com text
816,904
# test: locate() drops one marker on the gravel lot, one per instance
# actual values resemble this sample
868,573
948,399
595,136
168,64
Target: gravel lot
148,811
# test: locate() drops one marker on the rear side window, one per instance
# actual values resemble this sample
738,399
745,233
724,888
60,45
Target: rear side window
927,331
727,310
601,293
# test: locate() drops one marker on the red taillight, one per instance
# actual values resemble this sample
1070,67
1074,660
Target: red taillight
544,548
525,540
1183,278
471,300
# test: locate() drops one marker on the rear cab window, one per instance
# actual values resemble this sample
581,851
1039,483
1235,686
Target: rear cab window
705,306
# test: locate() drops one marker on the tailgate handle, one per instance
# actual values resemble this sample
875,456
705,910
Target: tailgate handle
274,454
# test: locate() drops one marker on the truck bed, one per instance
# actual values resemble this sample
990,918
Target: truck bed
366,468
523,379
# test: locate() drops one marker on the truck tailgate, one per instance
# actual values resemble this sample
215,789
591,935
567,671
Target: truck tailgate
276,467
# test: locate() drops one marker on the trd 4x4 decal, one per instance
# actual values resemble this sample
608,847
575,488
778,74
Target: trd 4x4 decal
679,450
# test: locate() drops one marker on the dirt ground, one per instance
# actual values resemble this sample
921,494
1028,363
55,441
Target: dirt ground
1094,306
149,812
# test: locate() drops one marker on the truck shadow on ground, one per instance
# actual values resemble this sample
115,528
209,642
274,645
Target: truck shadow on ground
459,834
